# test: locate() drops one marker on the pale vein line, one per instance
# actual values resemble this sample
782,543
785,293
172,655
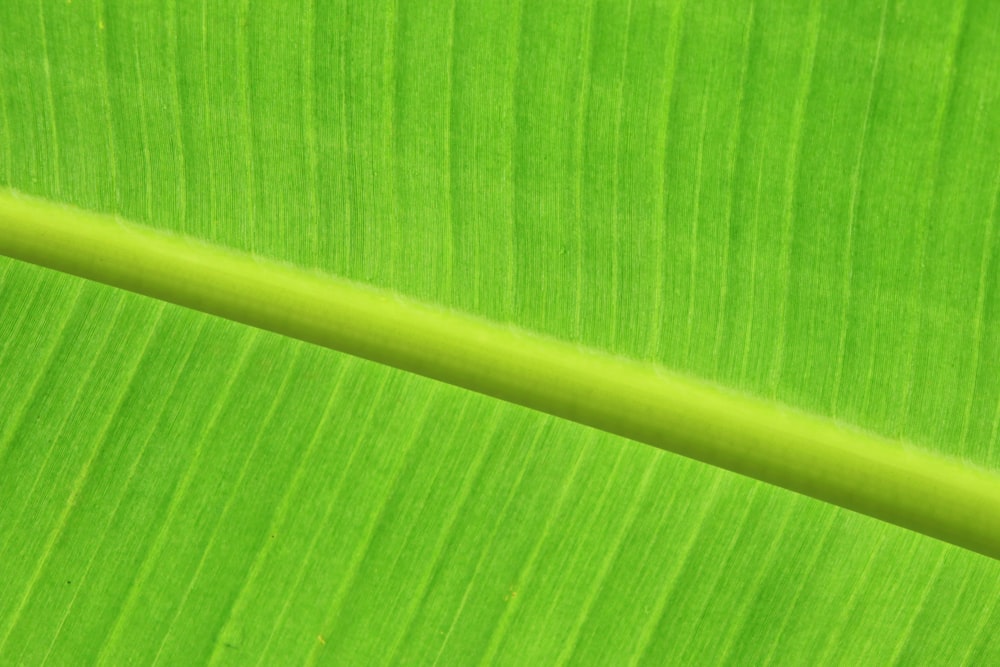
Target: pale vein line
157,420
852,214
735,622
868,382
8,264
793,161
456,419
24,308
954,600
209,183
416,592
616,183
374,402
981,627
253,234
280,515
510,283
733,160
996,426
350,575
391,130
695,219
527,569
173,30
587,51
669,496
451,238
928,194
16,416
753,223
60,523
50,101
613,551
978,323
457,506
674,40
6,130
487,550
914,609
345,154
818,544
129,380
644,638
249,453
309,123
144,133
723,555
138,584
835,628
100,13
576,634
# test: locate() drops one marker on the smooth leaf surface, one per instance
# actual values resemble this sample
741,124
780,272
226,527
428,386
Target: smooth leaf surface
799,202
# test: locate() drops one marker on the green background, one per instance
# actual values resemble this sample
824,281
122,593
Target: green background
795,199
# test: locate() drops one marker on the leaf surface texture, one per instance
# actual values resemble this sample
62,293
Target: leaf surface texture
799,202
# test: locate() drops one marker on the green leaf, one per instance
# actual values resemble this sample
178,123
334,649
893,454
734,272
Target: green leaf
797,203
942,498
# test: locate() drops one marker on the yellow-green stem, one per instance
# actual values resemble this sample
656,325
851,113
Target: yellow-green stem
815,456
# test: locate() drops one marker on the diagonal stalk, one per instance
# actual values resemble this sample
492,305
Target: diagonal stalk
889,480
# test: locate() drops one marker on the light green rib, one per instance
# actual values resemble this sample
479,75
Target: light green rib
889,480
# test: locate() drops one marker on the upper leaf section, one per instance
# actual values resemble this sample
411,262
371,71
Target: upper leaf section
797,201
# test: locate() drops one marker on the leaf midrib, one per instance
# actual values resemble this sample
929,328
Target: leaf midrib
890,480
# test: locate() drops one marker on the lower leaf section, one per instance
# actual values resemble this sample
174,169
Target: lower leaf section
179,488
